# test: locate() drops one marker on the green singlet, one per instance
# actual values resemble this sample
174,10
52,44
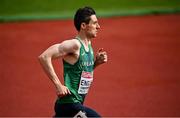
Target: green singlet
78,77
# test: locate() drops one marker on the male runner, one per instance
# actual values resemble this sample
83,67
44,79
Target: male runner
78,62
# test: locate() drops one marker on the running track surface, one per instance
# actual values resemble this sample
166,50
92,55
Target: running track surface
142,77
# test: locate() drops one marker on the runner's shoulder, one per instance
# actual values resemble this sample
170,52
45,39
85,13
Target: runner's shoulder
76,42
72,43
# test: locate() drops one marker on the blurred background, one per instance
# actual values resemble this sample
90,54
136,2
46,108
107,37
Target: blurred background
141,37
55,9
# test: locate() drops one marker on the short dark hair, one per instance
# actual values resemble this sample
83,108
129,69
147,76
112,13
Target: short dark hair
83,15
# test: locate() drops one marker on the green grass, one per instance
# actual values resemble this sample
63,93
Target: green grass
52,9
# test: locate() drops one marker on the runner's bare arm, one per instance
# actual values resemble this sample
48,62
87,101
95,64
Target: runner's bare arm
101,57
53,52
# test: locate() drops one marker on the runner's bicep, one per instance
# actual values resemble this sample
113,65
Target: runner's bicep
52,52
60,50
67,47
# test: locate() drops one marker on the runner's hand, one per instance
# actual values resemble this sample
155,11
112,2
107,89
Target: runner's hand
62,91
101,56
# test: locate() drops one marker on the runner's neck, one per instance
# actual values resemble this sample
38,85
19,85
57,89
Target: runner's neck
85,42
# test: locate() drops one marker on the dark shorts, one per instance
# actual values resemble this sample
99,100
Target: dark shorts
71,109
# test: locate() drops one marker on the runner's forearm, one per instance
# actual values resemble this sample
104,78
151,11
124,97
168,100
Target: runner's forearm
49,70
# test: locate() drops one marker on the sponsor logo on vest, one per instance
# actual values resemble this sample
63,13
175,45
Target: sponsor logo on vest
83,53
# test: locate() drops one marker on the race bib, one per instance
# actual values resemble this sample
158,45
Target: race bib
85,82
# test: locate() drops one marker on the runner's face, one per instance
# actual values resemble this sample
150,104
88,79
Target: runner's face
93,27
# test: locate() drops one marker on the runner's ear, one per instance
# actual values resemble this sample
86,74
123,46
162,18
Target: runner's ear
83,25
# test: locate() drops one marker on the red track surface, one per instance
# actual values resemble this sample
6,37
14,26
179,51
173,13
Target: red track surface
142,77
